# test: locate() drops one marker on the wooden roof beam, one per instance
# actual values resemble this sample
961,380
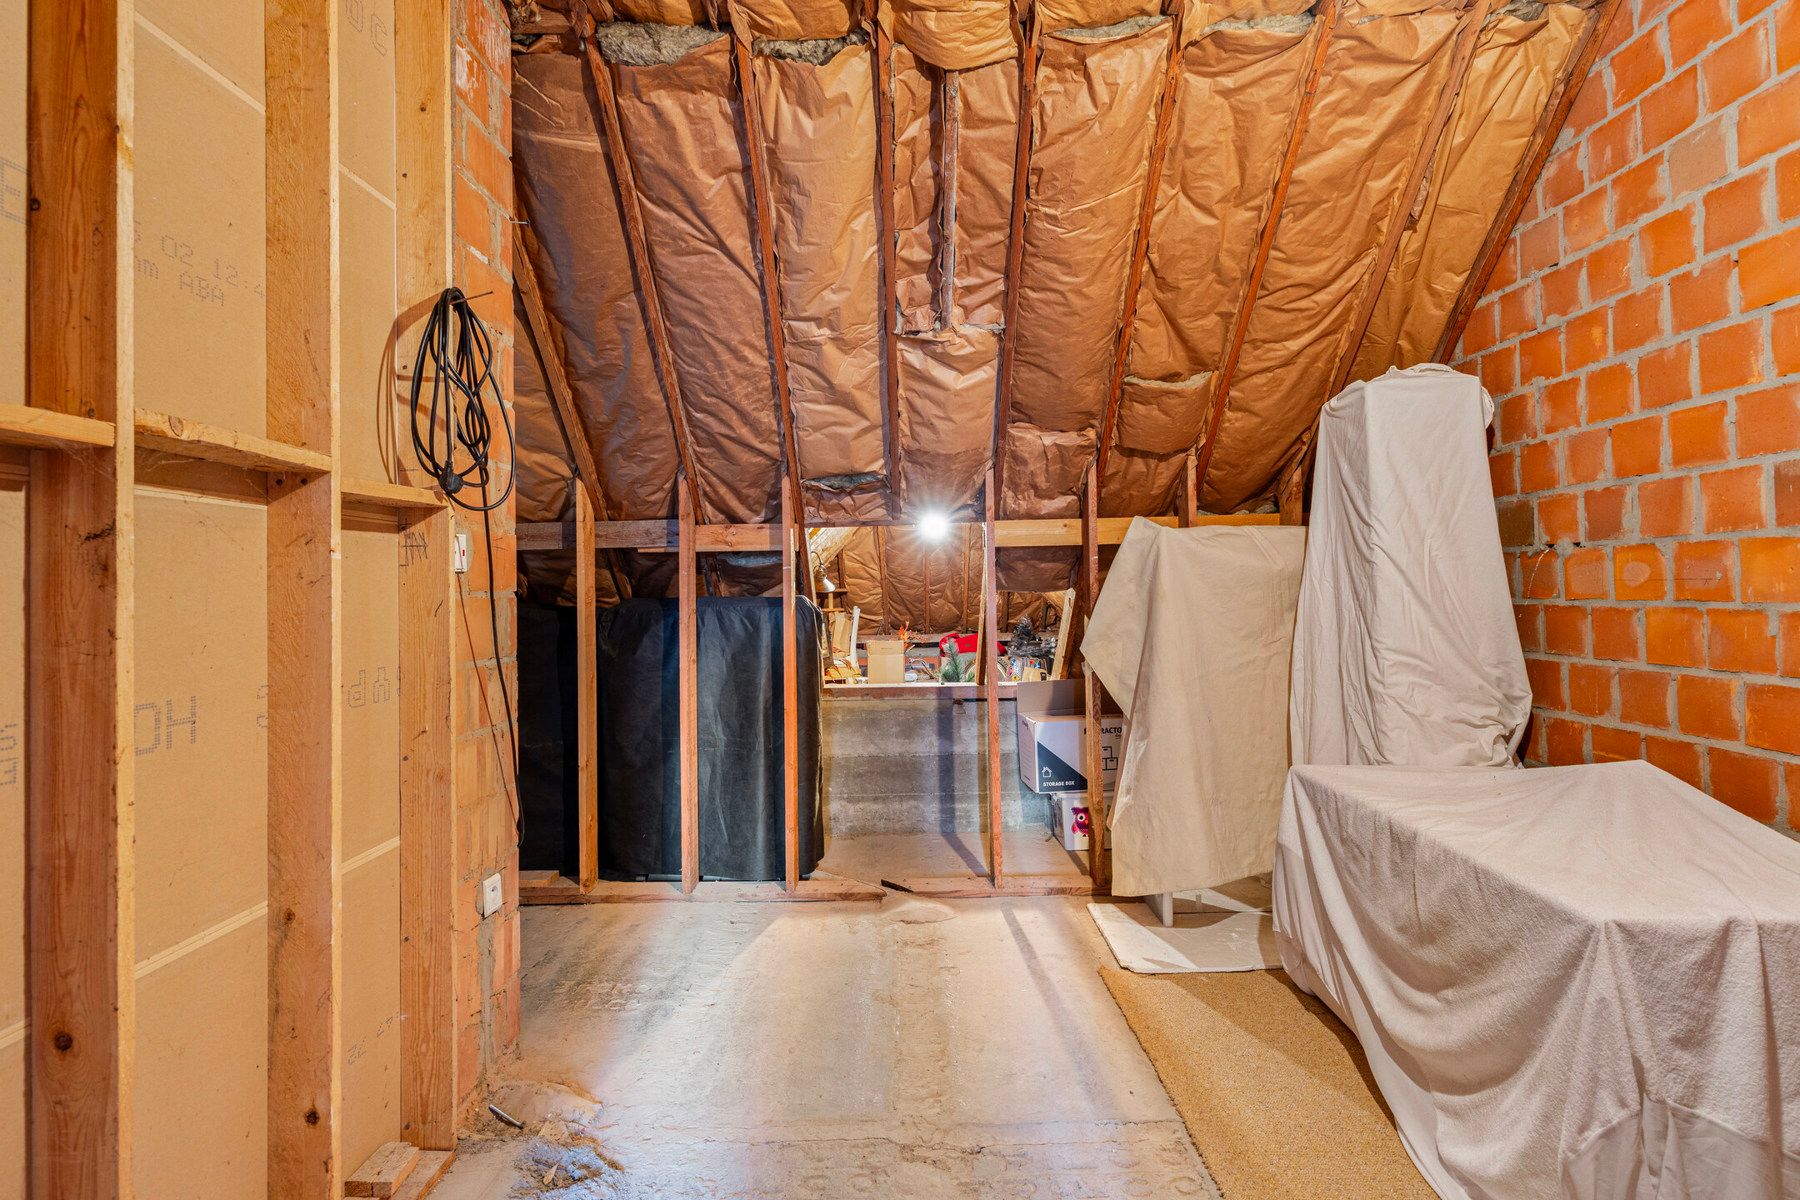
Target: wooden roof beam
1309,92
1015,239
1537,153
638,243
884,211
1140,250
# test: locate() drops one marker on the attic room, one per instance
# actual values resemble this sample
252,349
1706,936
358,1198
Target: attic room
919,598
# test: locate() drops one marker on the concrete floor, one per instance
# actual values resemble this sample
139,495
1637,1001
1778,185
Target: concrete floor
911,1049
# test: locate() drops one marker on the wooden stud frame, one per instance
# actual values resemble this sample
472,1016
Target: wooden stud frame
1099,866
84,428
990,687
79,563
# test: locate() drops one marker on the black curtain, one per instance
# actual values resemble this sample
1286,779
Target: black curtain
741,829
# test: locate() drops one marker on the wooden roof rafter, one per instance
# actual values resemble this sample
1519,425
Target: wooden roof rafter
1026,19
1309,93
1140,250
637,241
883,49
1518,193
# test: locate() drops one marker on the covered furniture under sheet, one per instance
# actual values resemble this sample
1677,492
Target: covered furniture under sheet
1406,651
1573,982
741,819
1191,636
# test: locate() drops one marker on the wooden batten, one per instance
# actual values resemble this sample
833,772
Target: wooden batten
790,695
1015,239
688,619
883,48
562,396
305,597
1140,250
587,699
47,429
990,685
1099,866
1189,497
1524,181
80,525
1326,23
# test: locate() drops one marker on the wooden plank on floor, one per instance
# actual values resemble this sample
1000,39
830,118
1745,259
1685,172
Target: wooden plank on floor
563,890
78,893
425,1176
300,40
973,887
384,1172
427,835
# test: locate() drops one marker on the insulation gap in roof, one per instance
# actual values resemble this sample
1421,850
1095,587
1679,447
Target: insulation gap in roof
1280,22
1118,29
817,51
844,483
640,44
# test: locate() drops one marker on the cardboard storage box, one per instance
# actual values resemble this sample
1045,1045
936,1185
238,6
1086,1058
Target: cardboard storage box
1050,732
887,660
1069,815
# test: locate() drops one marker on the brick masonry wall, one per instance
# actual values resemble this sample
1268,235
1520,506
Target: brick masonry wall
487,950
1642,343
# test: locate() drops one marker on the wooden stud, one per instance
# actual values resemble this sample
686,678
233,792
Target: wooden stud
305,594
1098,865
689,626
790,697
1290,489
638,243
1418,176
1190,493
762,217
80,923
1326,22
211,443
1140,250
1015,239
884,209
990,679
587,702
1524,181
427,832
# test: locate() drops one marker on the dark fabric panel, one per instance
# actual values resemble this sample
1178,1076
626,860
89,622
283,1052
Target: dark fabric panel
741,828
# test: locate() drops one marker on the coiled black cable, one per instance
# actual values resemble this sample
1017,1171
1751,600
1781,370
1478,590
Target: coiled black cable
457,355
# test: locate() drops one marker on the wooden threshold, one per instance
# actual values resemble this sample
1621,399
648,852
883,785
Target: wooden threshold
960,887
547,887
43,428
913,691
171,434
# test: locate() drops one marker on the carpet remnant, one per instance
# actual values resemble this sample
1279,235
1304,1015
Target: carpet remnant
1273,1088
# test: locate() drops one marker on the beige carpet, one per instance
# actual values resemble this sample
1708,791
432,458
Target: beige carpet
1273,1088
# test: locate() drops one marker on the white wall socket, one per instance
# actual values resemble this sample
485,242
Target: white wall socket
491,895
459,553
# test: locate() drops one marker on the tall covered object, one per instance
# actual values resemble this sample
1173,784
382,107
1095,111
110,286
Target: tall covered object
1405,649
1191,635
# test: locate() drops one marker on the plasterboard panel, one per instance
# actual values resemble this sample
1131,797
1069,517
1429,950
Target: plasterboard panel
226,35
366,91
199,721
365,322
199,192
12,203
199,1092
371,1011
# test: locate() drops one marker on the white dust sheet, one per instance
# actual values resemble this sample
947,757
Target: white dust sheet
1227,929
1578,982
1191,635
1406,651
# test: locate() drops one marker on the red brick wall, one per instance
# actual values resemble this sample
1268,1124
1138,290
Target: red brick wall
487,950
1642,342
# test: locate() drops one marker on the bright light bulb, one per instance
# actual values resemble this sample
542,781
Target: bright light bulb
934,527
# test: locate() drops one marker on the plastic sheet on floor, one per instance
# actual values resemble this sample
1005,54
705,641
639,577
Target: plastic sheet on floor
1225,929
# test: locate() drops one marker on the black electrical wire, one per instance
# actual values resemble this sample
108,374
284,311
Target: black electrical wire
456,356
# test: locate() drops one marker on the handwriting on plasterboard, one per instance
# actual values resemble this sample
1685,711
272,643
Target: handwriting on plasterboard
161,725
362,690
262,714
414,548
9,754
12,190
366,23
206,277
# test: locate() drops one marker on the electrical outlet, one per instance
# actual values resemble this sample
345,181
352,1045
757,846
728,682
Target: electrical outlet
459,553
491,895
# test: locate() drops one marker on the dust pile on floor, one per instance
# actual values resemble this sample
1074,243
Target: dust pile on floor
559,1154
